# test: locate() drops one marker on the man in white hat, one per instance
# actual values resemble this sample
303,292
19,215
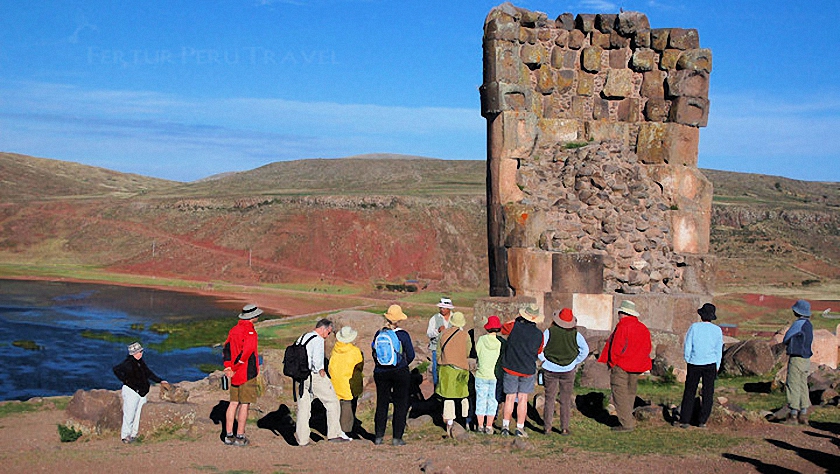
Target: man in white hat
627,354
437,324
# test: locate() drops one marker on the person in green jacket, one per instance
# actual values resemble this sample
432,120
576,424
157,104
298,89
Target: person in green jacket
488,348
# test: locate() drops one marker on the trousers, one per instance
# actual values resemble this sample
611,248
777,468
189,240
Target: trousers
564,383
322,389
623,386
132,405
707,373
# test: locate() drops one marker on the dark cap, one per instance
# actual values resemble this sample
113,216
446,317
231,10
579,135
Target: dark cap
707,312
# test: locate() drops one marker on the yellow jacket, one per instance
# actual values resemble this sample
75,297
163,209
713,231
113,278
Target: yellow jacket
346,363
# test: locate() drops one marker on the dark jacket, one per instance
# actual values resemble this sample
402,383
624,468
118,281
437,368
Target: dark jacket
523,345
134,374
406,357
799,338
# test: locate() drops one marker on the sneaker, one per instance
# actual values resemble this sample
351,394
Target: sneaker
565,432
127,440
240,441
489,430
505,432
377,441
228,439
702,426
684,425
397,442
339,439
521,433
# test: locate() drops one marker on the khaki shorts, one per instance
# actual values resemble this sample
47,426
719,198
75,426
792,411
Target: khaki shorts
245,393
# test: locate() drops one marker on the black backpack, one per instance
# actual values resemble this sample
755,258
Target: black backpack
296,361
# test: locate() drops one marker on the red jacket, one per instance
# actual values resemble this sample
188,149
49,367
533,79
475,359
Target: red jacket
240,352
629,346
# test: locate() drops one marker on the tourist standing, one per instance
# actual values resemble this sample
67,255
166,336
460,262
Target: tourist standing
798,340
392,353
242,365
703,352
135,375
346,365
453,369
564,348
519,364
437,324
318,386
488,349
627,354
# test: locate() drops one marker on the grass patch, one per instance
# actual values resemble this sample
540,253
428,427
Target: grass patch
27,344
185,335
107,336
15,407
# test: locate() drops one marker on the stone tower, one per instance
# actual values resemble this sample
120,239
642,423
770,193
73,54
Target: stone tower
593,191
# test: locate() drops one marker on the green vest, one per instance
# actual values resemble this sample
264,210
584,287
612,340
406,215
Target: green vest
562,347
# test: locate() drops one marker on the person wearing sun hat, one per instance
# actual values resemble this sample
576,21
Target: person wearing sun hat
242,365
564,348
346,365
488,349
703,350
627,354
453,369
135,375
519,365
393,381
798,340
437,324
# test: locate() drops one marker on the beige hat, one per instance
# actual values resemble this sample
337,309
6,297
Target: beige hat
446,303
395,313
532,313
628,307
250,311
458,319
346,335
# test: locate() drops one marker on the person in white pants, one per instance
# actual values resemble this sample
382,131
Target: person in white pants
135,375
319,386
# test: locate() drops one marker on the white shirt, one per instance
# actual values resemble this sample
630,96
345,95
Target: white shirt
315,350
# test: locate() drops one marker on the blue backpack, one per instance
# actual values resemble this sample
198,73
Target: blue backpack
387,347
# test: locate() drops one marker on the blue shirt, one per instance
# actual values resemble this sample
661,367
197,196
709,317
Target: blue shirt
552,367
704,344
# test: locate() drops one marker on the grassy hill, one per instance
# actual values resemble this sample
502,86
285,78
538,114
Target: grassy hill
359,219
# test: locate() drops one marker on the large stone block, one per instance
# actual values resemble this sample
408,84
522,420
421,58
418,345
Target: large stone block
585,22
644,60
690,231
585,84
577,273
657,110
599,39
631,22
653,85
696,60
685,311
565,21
669,58
619,58
562,59
656,311
699,274
667,143
692,111
507,188
600,109
824,348
629,110
659,38
605,22
533,55
519,134
498,97
166,416
619,83
562,38
576,39
502,63
503,27
681,38
545,80
593,311
688,83
600,131
529,270
558,131
590,59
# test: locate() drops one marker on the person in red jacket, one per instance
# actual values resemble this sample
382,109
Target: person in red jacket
627,354
242,365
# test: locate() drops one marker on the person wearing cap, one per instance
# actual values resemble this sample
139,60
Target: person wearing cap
437,323
393,382
242,365
453,369
346,365
519,365
798,340
488,349
318,386
627,354
703,351
135,375
564,348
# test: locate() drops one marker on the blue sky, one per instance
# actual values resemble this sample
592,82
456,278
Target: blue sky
184,90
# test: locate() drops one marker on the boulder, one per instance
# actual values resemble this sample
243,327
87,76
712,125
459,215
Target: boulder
157,416
752,357
98,410
174,394
594,374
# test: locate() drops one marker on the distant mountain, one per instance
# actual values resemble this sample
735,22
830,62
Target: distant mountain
362,218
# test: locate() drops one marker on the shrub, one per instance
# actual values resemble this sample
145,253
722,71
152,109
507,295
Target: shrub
68,434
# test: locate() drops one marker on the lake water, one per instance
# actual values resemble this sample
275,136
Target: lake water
53,315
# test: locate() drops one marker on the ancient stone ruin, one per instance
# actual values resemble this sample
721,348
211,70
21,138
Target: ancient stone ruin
593,191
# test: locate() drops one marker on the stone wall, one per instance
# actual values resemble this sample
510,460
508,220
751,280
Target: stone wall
593,189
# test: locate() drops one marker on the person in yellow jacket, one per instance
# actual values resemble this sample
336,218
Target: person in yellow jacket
346,364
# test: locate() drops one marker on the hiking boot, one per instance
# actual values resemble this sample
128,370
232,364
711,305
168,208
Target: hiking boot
489,430
397,442
792,418
803,417
505,432
565,432
228,439
378,441
521,433
240,441
547,430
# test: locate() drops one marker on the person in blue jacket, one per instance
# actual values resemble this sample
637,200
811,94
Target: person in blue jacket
703,351
798,340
